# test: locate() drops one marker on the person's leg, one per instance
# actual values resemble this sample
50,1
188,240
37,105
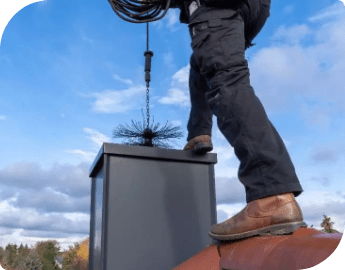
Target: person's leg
265,165
200,119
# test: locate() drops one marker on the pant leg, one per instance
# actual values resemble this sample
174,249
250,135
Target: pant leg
200,119
265,165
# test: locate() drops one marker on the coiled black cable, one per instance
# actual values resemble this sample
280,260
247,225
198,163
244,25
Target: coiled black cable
140,11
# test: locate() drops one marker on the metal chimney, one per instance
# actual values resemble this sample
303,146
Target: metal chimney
151,208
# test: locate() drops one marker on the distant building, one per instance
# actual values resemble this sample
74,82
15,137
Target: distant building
58,261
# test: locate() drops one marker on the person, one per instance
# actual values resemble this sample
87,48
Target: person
219,85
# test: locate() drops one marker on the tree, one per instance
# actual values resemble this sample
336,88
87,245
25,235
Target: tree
77,257
83,250
2,253
327,225
21,249
47,252
27,250
69,256
11,255
22,253
79,264
32,262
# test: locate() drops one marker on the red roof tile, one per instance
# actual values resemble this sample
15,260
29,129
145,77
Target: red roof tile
305,248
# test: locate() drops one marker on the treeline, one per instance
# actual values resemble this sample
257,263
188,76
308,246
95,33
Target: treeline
41,257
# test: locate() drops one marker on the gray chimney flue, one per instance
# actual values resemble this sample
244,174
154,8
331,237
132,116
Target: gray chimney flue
151,208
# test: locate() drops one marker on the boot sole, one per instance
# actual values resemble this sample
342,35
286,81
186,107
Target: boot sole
202,147
278,229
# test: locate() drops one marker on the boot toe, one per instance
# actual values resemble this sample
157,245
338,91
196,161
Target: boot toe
252,221
200,144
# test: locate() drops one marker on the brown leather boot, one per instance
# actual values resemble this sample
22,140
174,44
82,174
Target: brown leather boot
200,144
274,215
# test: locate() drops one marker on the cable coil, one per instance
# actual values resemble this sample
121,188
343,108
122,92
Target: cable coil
140,11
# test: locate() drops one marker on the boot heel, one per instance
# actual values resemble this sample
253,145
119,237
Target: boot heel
281,229
201,147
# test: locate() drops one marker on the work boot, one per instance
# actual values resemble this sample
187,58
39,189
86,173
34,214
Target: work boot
274,215
200,144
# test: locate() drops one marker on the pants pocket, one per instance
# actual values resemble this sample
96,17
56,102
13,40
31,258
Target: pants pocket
233,45
204,52
200,38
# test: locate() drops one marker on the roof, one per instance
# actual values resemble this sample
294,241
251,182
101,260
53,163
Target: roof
59,259
267,252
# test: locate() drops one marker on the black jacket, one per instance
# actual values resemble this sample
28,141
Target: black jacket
210,9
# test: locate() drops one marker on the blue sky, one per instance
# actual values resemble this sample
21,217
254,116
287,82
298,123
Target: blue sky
72,71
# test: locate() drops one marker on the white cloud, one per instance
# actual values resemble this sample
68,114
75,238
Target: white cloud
229,210
223,169
38,204
5,60
158,24
319,114
178,94
229,190
291,35
221,216
289,9
85,38
31,176
172,17
96,137
170,20
46,204
42,2
121,101
168,60
118,101
182,76
126,81
177,97
224,152
176,122
330,12
2,117
219,135
290,76
86,155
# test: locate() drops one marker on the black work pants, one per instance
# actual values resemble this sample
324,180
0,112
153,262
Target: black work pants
219,85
